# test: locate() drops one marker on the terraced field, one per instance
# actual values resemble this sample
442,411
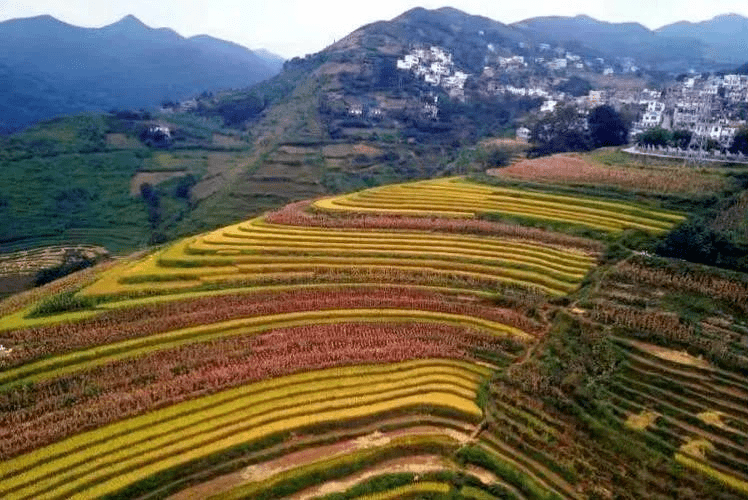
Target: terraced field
682,384
456,197
347,348
258,252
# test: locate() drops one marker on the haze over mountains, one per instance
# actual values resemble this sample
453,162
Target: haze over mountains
720,41
49,68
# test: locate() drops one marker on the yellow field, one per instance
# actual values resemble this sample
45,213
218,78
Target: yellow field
455,197
256,250
101,461
151,309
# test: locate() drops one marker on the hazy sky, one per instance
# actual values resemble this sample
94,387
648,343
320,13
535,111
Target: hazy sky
297,27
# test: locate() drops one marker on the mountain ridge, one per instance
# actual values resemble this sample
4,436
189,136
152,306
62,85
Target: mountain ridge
126,64
717,41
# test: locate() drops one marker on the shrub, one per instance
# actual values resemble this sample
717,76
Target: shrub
63,302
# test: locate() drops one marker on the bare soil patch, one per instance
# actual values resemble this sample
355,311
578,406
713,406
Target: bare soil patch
14,283
266,470
712,418
298,150
346,150
642,420
680,357
222,167
121,141
337,68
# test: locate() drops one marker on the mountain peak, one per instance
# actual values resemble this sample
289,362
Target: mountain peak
451,11
131,19
129,23
732,16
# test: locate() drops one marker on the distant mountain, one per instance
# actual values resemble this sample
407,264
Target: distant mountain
273,60
726,36
52,68
610,40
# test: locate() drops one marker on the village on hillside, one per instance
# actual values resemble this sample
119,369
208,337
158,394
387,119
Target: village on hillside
710,107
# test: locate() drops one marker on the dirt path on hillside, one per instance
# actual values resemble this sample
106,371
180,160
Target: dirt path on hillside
266,470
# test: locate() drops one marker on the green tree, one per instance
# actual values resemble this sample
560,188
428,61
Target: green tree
152,200
606,127
575,86
563,130
681,138
740,141
654,137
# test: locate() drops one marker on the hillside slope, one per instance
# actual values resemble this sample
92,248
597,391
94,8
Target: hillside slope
441,337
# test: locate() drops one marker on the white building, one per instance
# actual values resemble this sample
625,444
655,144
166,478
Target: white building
409,62
523,134
651,119
512,62
596,98
558,64
548,106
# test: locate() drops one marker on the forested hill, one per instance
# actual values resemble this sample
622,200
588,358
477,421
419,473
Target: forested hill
50,68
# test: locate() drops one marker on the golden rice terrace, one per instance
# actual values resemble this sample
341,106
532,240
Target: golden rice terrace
435,339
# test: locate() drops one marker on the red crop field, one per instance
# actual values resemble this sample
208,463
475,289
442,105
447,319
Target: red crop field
567,169
516,357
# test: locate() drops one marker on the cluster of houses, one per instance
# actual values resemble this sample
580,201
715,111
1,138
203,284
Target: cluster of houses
703,105
560,59
706,106
435,66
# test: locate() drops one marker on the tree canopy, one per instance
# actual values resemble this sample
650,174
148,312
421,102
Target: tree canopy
568,130
655,137
740,141
563,130
575,86
606,127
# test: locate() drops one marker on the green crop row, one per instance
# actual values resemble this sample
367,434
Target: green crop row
341,466
410,490
405,485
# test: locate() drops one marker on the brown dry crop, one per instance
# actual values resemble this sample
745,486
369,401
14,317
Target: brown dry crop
143,321
568,169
